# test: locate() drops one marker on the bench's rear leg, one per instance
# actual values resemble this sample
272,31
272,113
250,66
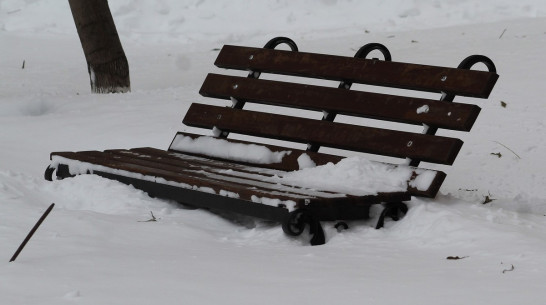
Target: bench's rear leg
294,225
61,171
393,210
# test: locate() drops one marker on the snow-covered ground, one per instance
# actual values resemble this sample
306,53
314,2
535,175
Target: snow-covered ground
96,247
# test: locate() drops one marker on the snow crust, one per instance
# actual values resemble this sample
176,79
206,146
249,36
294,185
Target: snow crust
423,109
355,176
304,161
220,148
98,245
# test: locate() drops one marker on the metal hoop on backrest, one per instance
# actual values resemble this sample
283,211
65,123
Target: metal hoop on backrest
467,64
363,52
471,60
273,43
368,48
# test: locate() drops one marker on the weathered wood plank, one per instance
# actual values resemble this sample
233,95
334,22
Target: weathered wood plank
392,143
364,71
455,116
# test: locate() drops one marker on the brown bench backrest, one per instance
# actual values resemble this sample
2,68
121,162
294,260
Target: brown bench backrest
433,114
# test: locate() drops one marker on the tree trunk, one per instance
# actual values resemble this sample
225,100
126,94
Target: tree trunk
107,65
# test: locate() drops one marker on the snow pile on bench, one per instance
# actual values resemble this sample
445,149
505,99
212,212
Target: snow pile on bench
358,176
219,148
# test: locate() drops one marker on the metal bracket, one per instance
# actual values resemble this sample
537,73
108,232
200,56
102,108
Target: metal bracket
466,64
394,210
271,44
363,52
294,225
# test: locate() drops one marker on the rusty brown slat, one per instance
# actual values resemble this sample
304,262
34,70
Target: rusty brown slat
435,149
217,181
365,71
291,192
430,192
134,165
107,160
205,170
455,116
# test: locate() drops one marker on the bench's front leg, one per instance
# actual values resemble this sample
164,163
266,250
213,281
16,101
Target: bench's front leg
393,210
294,225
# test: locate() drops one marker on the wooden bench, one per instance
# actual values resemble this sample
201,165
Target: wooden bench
242,176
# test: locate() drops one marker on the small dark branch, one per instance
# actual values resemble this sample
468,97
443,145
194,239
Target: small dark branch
509,270
456,257
151,219
502,33
497,154
488,199
508,149
23,67
31,233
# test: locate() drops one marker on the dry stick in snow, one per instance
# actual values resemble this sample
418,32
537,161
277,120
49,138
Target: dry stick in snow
502,33
507,148
29,235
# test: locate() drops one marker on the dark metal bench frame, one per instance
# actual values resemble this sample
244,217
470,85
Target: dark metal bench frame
310,212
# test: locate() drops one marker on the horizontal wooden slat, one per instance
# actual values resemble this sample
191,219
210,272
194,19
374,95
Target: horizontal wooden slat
244,186
180,176
364,71
392,143
289,163
409,110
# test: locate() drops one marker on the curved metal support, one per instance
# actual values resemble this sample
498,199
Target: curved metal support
471,60
466,64
365,50
294,225
340,226
273,43
393,210
48,174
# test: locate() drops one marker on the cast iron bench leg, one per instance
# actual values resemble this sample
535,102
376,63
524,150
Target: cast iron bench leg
393,210
294,225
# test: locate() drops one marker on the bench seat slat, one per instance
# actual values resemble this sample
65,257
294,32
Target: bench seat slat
194,177
364,71
289,162
455,116
217,171
245,188
392,143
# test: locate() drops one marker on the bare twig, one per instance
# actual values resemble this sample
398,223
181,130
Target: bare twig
508,270
456,257
29,235
488,199
508,149
502,33
151,219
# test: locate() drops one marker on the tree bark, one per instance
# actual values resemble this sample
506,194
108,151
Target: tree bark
107,64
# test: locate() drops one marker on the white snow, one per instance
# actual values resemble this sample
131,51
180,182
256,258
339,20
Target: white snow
220,148
423,109
354,175
96,246
304,161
